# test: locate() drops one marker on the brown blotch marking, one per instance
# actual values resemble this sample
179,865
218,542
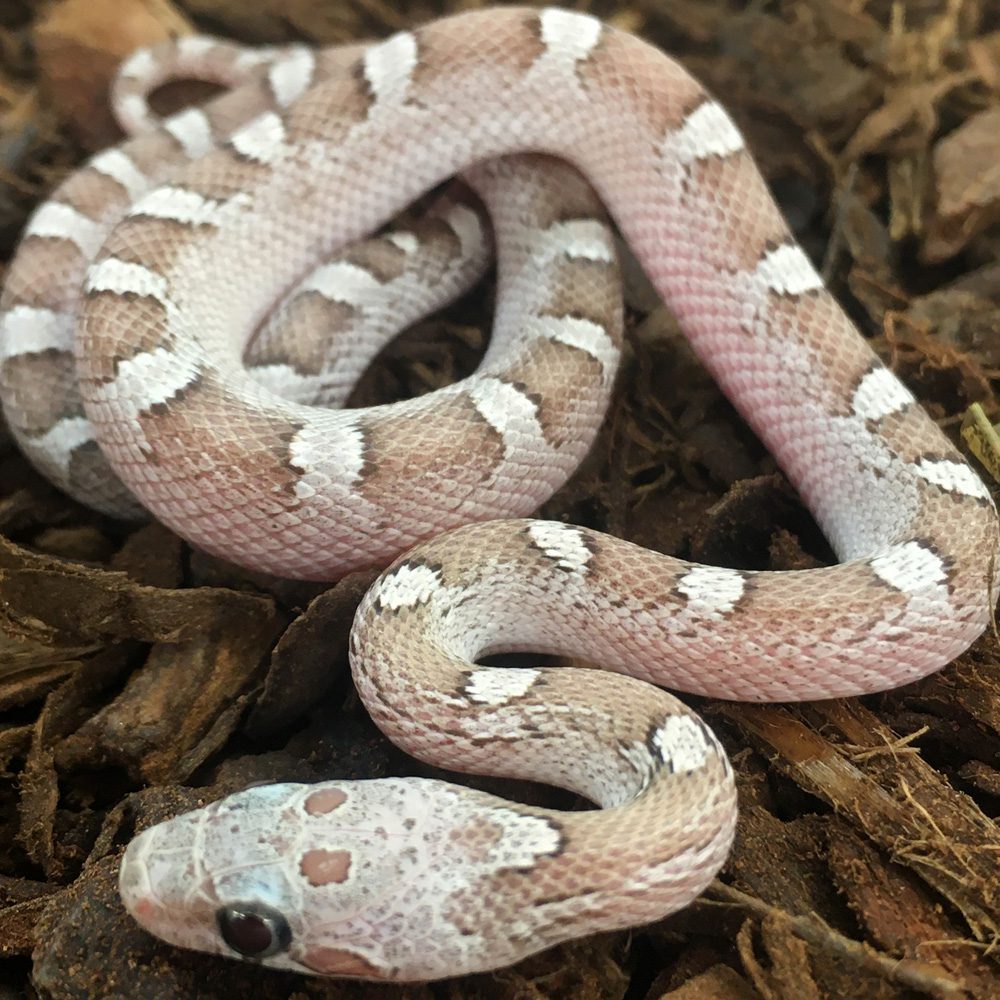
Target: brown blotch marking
635,75
340,962
558,192
587,289
46,389
155,154
151,241
417,451
133,324
380,257
740,215
815,324
334,62
443,45
323,867
262,464
911,435
95,195
476,839
328,112
89,470
324,801
224,173
558,401
162,417
304,334
46,274
439,240
235,108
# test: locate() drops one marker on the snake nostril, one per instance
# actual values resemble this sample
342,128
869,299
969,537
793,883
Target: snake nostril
254,930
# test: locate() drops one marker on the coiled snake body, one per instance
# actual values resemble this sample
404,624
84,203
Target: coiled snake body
185,237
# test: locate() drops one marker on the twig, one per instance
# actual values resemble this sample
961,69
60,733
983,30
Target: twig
816,931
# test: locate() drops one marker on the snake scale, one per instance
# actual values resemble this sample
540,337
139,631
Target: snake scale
186,309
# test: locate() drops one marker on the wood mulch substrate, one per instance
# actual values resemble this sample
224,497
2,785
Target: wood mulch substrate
140,678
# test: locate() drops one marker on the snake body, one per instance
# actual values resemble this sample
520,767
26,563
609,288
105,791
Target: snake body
312,151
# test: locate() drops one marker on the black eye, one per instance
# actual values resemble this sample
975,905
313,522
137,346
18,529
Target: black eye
254,930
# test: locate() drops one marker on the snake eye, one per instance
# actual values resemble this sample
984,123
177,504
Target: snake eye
254,930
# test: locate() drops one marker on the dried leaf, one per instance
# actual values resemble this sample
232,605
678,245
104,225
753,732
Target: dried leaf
967,168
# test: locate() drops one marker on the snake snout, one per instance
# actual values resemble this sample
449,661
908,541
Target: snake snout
133,883
199,879
156,885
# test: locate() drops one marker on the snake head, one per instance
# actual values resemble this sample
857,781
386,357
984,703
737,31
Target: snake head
364,879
